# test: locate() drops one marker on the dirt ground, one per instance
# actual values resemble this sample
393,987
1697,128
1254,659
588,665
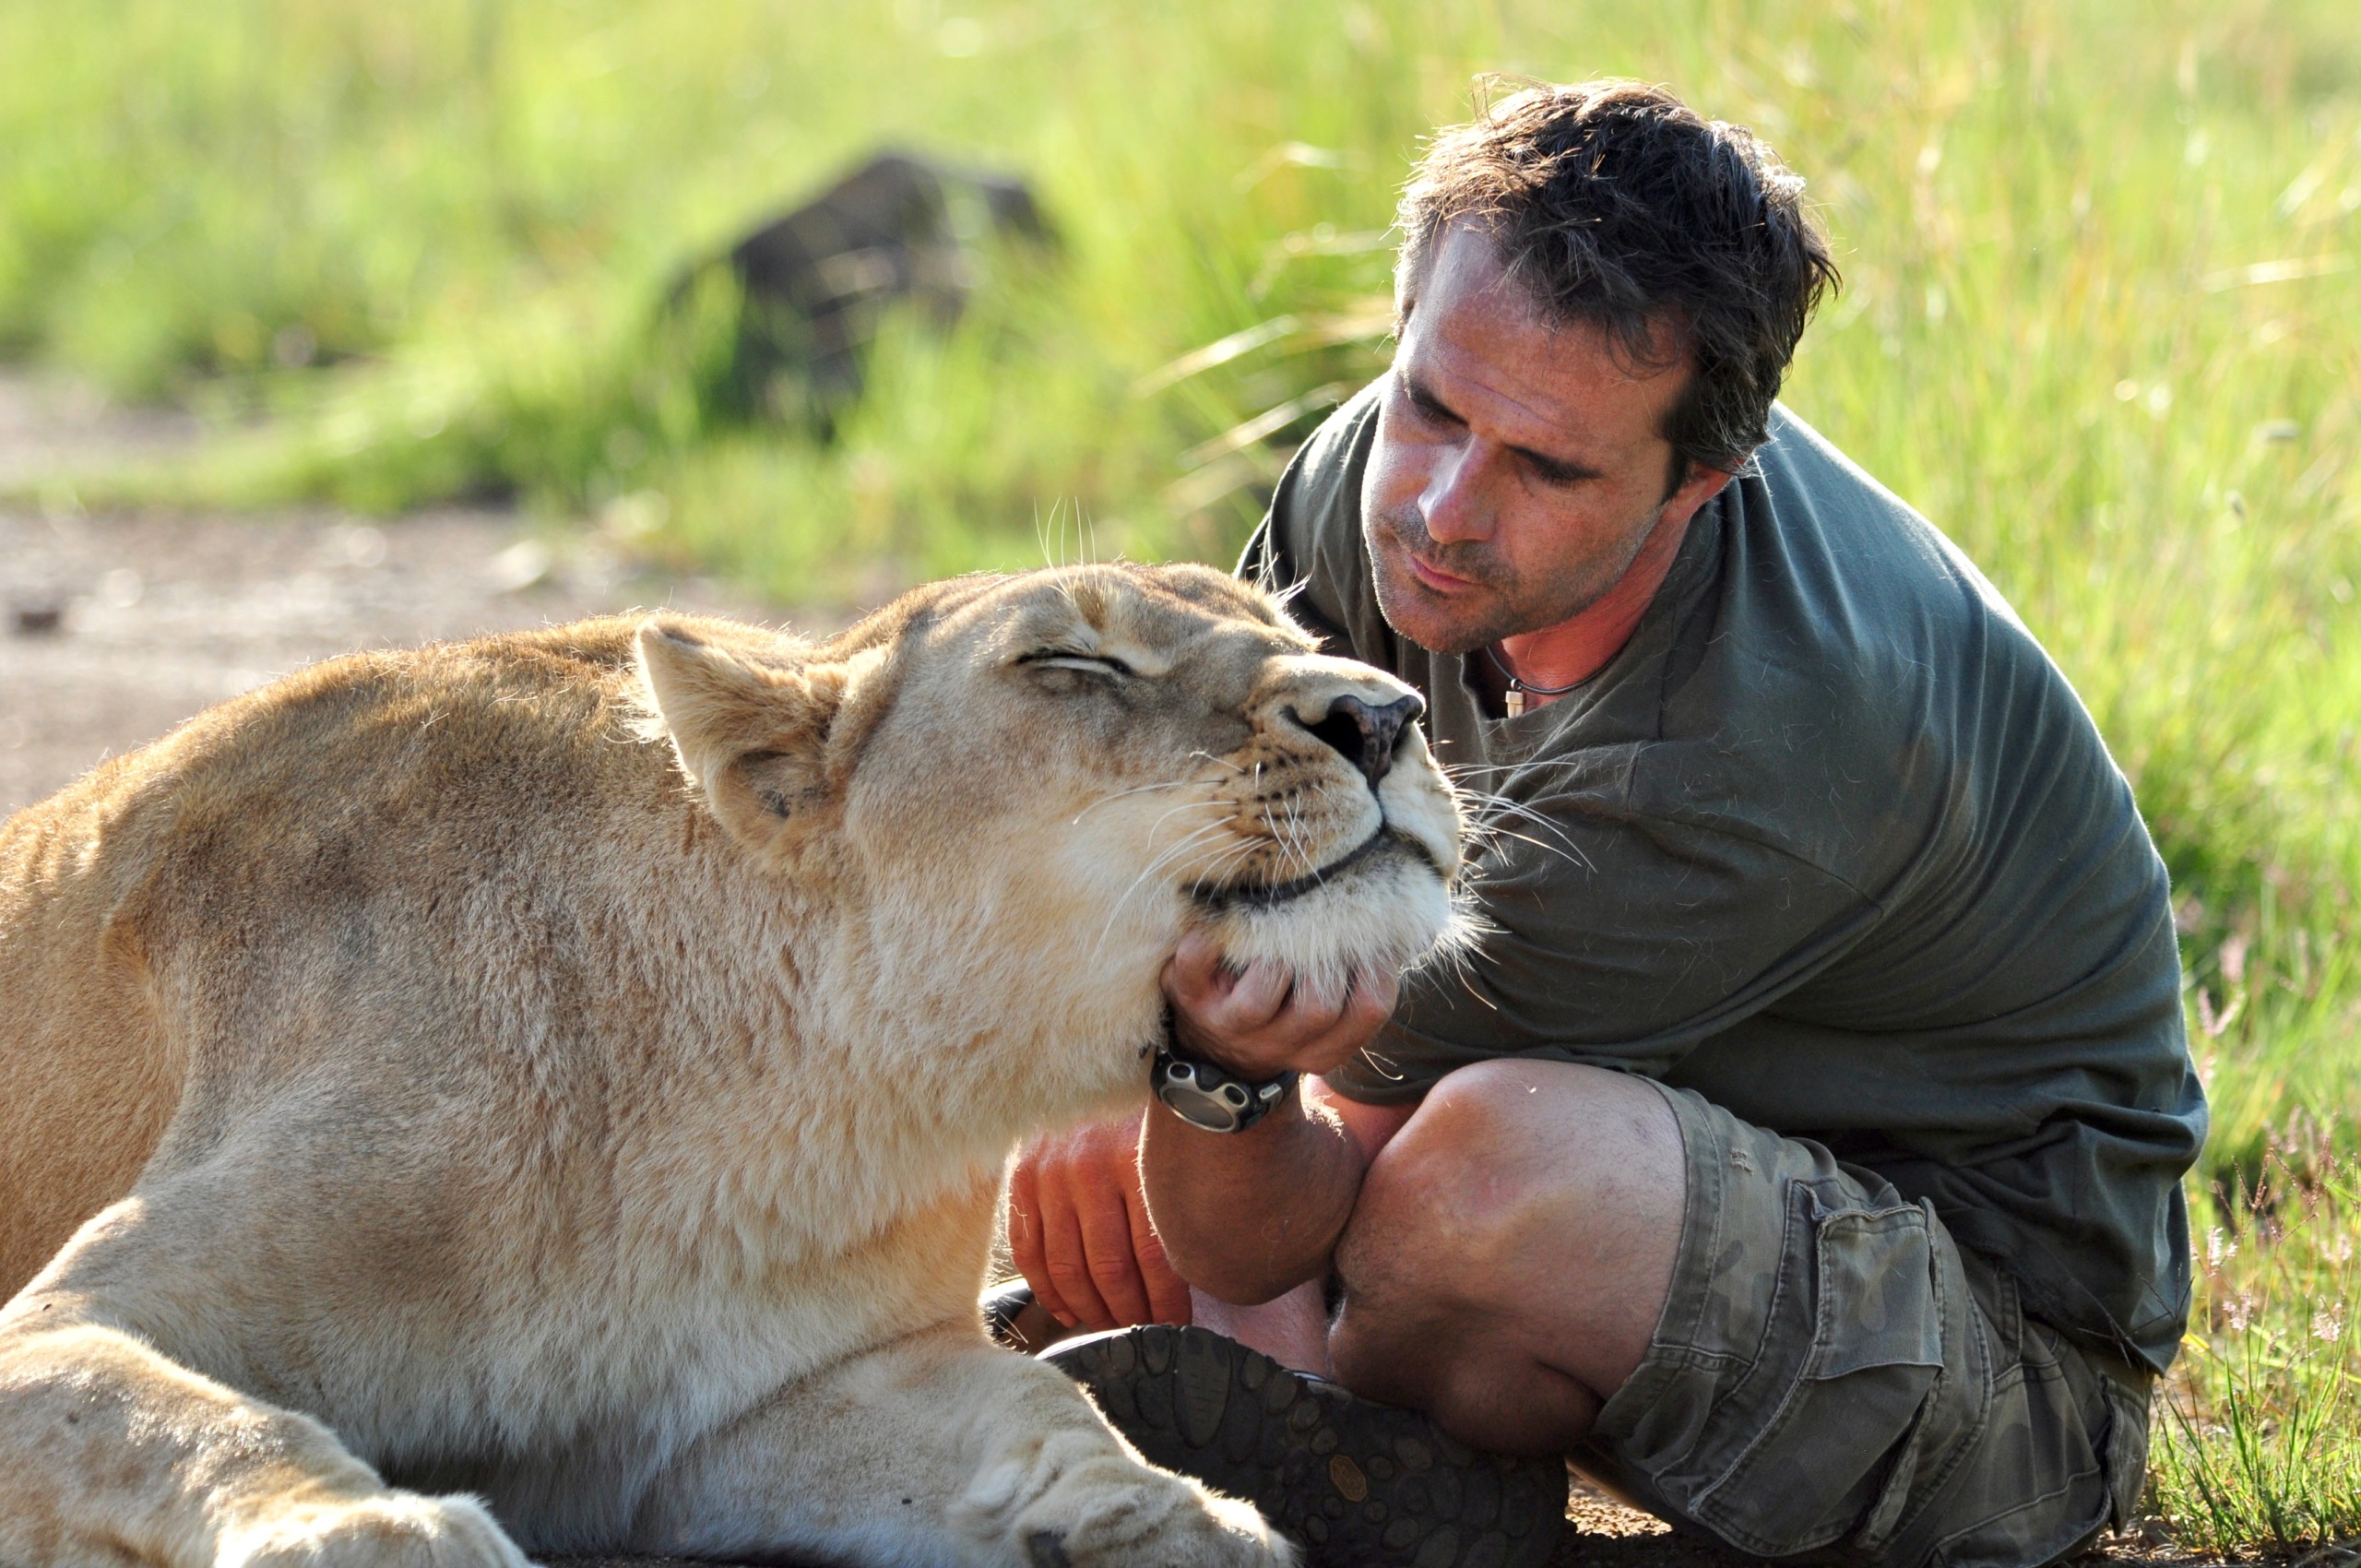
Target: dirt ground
118,627
114,628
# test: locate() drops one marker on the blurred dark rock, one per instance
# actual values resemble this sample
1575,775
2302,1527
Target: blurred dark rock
39,620
812,283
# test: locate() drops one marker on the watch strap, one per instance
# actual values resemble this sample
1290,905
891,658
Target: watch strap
1213,1098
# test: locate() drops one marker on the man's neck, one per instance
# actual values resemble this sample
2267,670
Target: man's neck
1575,649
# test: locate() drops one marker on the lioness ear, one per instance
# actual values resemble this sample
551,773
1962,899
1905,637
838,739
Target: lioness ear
752,734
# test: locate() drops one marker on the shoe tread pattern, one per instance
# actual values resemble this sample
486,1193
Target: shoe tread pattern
1351,1480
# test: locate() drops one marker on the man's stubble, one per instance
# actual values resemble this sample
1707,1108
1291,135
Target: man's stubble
1503,606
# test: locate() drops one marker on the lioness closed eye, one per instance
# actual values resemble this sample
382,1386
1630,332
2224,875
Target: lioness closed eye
551,1091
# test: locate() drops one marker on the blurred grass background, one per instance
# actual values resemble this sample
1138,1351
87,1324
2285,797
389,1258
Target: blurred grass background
2102,323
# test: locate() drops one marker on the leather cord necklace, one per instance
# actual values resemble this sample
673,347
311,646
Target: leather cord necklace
1520,688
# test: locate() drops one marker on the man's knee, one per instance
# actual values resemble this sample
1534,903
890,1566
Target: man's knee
1435,1200
1530,1209
1497,1150
1509,1251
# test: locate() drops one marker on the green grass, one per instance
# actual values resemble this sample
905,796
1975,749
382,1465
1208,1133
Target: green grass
2103,324
2260,1432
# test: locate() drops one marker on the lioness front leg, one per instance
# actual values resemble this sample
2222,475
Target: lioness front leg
112,1453
941,1448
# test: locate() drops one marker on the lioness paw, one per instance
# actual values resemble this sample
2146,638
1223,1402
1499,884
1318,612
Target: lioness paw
1222,1532
1147,1520
398,1530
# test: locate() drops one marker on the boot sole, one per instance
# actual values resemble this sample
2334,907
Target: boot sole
1351,1480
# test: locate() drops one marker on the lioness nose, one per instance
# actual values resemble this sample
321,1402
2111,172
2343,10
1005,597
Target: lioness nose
1366,735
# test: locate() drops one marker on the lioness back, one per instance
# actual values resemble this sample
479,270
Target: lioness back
276,823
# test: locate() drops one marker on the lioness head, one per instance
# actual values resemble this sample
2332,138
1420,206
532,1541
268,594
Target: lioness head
1041,783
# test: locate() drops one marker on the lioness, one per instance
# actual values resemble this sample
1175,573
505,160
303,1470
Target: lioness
575,1068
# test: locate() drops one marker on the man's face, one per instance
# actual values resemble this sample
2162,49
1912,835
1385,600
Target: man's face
1519,465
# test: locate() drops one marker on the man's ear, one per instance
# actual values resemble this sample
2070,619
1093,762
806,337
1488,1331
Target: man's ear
752,734
1698,485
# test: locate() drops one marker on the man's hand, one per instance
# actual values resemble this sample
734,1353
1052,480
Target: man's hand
1078,1225
1078,1220
1259,1023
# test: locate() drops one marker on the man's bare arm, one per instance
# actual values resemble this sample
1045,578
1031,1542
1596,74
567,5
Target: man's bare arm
1255,1212
1246,1216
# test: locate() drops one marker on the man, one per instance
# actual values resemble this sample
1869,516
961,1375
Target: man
1799,1151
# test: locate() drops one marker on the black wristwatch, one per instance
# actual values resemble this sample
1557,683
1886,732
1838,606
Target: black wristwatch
1213,1098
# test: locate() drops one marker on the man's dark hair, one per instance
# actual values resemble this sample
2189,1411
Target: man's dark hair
1619,207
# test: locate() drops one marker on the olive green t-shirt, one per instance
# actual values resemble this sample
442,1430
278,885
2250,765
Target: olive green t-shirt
1832,842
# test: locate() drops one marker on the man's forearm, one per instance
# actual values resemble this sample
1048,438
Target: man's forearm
1245,1217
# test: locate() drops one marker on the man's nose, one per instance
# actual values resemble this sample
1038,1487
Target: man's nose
1450,504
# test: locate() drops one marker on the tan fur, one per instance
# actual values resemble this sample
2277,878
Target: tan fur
574,1069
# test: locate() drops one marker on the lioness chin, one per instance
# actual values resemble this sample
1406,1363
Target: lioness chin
574,1069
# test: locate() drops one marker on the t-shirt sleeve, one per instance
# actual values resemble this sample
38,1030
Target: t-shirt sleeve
1615,933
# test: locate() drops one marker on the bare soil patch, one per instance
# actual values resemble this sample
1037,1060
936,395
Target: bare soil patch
114,628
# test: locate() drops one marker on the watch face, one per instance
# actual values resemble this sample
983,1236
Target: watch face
1204,1096
1217,1108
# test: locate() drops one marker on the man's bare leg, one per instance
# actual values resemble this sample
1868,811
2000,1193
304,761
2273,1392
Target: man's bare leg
1511,1251
1506,1261
1291,1329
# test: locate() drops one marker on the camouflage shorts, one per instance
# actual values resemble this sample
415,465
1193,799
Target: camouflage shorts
1833,1379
